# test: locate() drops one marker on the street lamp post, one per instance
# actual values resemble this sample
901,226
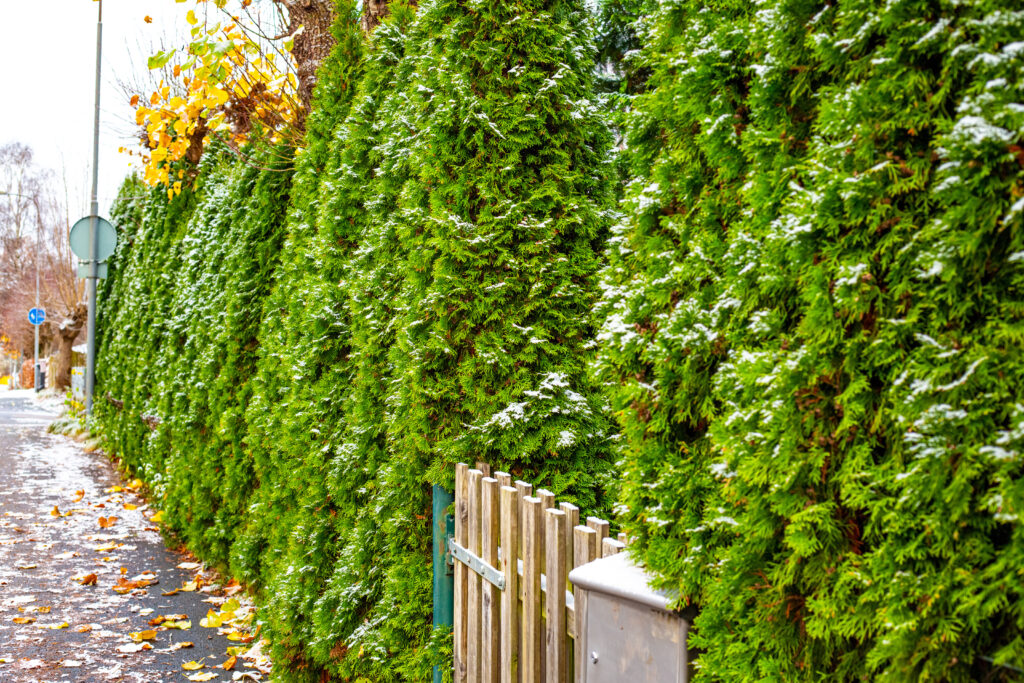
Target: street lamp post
94,212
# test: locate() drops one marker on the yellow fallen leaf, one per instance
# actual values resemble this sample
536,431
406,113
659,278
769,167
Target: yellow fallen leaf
55,512
192,666
106,547
189,587
205,676
23,620
183,644
54,627
179,625
115,489
136,484
140,636
43,610
107,522
211,620
158,517
79,495
27,566
130,506
229,664
85,628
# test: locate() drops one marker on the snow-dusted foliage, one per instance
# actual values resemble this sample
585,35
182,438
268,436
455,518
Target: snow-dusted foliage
812,334
324,344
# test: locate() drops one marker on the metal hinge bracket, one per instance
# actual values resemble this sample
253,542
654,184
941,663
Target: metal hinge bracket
476,563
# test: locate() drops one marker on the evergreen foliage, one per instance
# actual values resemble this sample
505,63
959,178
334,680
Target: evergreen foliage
322,345
812,335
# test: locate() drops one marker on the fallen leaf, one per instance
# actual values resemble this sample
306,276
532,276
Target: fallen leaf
107,547
43,610
85,628
179,646
190,586
158,517
183,625
27,566
192,666
23,620
54,627
124,586
115,489
229,664
128,648
88,580
130,506
205,676
55,512
79,495
190,565
107,522
140,636
211,620
173,592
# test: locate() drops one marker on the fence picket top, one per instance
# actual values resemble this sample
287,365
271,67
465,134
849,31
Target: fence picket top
461,604
555,598
509,560
532,623
609,546
490,655
504,478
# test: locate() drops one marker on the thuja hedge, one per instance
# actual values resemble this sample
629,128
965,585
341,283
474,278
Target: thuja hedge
813,335
293,357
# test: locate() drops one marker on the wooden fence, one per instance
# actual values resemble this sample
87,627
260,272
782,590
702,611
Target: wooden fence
513,551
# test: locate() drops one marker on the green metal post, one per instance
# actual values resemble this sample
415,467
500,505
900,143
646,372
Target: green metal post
444,579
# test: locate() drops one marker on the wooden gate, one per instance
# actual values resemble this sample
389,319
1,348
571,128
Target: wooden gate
513,551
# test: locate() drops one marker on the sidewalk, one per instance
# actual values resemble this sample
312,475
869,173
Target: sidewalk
84,572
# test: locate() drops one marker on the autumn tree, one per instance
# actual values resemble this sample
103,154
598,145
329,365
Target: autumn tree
34,247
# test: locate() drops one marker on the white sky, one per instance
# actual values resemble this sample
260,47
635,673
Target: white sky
48,51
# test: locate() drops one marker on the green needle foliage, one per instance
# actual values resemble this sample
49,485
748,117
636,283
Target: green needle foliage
322,346
812,335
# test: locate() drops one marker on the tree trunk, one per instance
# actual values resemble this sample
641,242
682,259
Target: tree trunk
314,43
373,12
65,335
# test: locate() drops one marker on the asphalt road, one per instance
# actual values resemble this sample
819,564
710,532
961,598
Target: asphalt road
52,496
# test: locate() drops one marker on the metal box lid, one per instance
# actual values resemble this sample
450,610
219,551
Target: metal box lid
618,576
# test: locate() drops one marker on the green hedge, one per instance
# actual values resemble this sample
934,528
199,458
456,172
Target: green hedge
322,344
812,335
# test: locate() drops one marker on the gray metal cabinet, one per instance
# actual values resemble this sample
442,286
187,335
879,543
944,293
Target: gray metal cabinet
627,632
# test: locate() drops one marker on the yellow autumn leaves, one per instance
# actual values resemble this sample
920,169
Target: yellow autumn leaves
229,83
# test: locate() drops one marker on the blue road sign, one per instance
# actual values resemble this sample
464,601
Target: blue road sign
36,316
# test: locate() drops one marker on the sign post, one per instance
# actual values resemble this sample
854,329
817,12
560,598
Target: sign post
36,316
94,223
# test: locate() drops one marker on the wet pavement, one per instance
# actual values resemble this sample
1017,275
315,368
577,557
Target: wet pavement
84,572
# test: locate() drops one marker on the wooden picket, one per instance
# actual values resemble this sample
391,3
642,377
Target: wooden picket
523,631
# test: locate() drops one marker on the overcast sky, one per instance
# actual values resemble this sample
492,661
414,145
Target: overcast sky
48,51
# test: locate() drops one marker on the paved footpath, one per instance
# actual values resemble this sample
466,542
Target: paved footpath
82,598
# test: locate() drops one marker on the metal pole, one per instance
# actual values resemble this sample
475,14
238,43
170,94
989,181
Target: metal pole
94,212
444,580
35,352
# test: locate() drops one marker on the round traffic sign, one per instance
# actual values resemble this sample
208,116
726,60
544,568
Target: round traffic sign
106,238
36,316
